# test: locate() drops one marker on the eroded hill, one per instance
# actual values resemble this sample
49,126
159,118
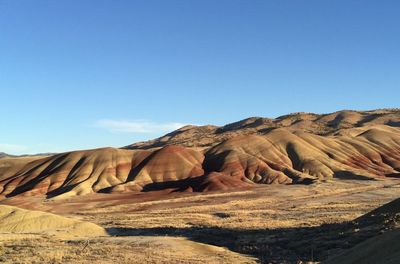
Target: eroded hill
358,145
319,124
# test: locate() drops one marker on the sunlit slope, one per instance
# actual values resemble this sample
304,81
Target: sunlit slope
280,156
318,124
15,220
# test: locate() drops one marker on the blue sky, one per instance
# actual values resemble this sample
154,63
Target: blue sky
85,74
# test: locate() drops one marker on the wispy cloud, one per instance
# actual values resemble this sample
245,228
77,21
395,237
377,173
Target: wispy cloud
12,149
138,126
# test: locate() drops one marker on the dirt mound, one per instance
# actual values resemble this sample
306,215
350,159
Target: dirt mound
16,220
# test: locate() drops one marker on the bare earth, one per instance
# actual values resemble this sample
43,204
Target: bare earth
268,224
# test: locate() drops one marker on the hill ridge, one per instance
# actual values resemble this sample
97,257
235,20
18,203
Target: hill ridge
278,156
320,124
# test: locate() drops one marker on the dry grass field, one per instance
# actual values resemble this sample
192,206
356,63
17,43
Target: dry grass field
268,224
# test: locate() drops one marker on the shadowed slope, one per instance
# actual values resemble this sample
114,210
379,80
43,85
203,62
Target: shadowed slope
382,248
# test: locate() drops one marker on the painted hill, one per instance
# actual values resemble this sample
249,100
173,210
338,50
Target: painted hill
285,155
318,124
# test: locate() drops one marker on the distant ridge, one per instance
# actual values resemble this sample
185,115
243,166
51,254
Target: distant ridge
5,155
318,124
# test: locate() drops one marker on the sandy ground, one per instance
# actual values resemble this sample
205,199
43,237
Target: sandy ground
268,224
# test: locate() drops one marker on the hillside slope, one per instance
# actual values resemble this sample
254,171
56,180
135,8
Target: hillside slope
318,124
382,248
281,156
15,220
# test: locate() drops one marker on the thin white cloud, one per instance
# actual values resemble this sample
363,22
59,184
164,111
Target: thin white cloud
138,126
12,149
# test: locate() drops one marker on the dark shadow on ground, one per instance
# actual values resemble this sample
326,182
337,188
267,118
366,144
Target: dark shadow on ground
348,175
285,245
195,184
393,175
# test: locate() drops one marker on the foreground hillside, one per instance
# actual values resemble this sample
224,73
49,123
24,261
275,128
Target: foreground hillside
368,151
19,221
266,224
28,236
384,246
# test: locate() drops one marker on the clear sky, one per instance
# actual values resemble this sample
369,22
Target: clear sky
78,74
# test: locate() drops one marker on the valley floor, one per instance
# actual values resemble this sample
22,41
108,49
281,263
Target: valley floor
268,224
